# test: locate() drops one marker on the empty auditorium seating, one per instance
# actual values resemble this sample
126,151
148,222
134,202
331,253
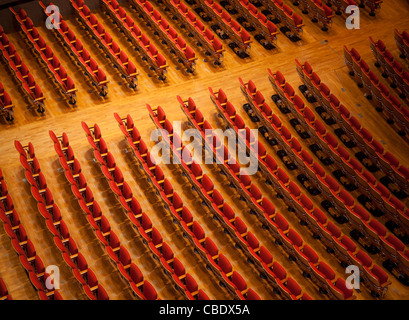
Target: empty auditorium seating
392,69
318,11
341,5
180,212
280,184
51,213
372,5
396,114
74,46
203,35
373,151
47,56
266,31
140,220
117,252
24,248
21,72
283,15
97,31
184,54
156,60
293,243
6,105
234,224
402,42
227,28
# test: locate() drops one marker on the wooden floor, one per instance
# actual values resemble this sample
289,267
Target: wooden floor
324,52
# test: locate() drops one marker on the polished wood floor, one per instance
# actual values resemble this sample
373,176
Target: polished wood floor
324,52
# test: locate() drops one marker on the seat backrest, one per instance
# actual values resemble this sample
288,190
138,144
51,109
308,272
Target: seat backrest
239,281
224,264
211,247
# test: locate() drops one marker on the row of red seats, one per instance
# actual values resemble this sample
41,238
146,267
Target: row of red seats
46,55
56,225
146,48
216,261
341,5
82,56
402,42
396,114
343,161
4,293
118,253
230,27
176,43
332,237
257,20
6,105
305,256
204,35
152,238
23,75
120,59
235,226
391,67
363,140
280,13
318,11
25,249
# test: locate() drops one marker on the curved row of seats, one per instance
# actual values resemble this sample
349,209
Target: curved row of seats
226,27
6,105
235,226
204,35
46,55
390,243
176,43
384,101
216,261
391,68
76,49
56,225
151,236
374,190
402,42
24,248
21,72
146,48
117,252
300,251
318,11
266,31
282,13
120,59
343,247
